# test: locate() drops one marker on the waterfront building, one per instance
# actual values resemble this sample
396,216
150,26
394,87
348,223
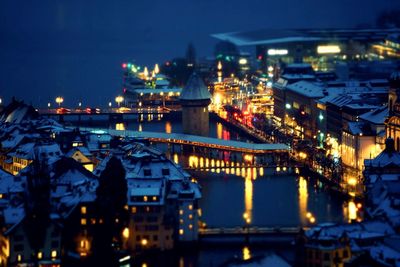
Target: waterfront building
154,97
195,99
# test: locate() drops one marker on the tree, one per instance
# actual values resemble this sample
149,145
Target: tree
37,206
111,198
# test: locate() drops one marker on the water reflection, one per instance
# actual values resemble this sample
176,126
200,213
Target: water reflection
168,127
248,200
303,199
246,253
241,169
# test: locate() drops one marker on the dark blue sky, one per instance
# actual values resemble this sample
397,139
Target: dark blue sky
74,47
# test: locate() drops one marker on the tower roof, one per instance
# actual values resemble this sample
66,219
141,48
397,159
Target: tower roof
195,89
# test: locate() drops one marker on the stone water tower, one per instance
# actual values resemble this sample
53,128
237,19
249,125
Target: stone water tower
195,99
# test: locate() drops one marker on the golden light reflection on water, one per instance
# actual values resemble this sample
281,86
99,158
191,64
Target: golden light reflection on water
303,199
219,166
219,130
246,253
168,127
248,199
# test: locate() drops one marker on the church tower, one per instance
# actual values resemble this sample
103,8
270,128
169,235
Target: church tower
393,121
195,99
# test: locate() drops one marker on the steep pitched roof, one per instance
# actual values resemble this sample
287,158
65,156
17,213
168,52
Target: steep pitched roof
195,89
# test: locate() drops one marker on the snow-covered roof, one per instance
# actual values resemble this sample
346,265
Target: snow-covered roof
157,91
195,89
185,138
376,116
307,89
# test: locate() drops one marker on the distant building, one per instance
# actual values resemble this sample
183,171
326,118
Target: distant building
319,47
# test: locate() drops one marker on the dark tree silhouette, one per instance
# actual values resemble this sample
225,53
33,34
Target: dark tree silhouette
111,200
37,206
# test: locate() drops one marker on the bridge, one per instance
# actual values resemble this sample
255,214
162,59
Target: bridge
199,141
252,234
98,112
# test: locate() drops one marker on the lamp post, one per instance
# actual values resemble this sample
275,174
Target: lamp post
59,100
119,99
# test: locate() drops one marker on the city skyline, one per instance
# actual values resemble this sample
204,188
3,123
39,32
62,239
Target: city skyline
75,49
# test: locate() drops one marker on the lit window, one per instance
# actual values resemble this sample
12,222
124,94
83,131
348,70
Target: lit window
144,242
145,198
83,221
93,221
154,198
181,221
1,195
83,210
190,226
181,212
54,253
125,233
84,243
19,257
133,209
40,255
190,207
190,216
181,231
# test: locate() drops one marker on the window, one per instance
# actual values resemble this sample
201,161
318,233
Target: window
190,207
54,244
83,210
147,172
133,209
83,221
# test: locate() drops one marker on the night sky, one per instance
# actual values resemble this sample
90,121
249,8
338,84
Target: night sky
75,48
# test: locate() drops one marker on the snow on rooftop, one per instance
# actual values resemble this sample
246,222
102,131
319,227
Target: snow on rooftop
376,116
307,89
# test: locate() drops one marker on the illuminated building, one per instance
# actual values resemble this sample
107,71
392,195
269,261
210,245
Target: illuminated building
335,245
162,200
319,47
393,122
149,97
195,99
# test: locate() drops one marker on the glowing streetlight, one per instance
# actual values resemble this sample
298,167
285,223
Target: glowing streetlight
48,105
119,99
80,104
109,104
59,100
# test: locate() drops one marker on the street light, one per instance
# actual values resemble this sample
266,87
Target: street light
119,99
59,100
